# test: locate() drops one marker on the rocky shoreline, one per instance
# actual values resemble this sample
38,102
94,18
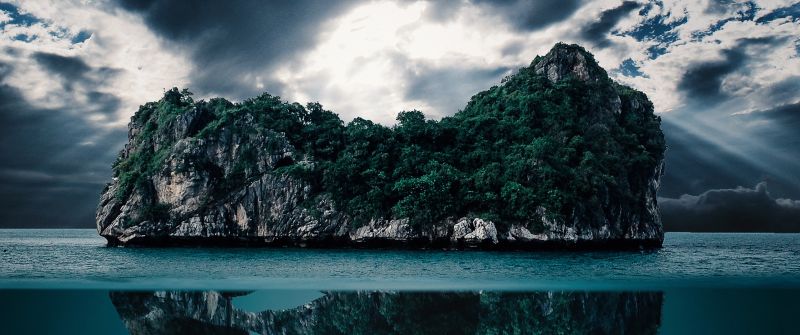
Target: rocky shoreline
463,235
382,243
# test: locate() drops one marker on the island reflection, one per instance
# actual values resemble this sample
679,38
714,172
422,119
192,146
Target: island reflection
371,312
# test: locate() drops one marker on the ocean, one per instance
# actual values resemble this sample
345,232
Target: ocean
68,281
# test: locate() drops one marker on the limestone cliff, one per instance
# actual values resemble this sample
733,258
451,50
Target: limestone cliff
260,172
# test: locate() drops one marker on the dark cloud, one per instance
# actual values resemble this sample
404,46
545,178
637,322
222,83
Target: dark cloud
103,103
784,90
523,15
448,89
731,210
69,68
702,82
137,5
53,163
529,15
74,71
597,31
443,10
777,126
512,49
233,43
236,44
787,115
797,47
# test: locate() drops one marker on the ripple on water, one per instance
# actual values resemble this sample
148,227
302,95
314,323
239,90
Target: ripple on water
34,257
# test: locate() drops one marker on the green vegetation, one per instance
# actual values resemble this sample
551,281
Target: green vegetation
135,169
514,149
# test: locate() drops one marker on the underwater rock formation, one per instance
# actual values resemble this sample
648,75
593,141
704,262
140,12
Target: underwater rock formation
211,312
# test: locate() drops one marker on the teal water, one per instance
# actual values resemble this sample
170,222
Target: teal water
80,259
68,281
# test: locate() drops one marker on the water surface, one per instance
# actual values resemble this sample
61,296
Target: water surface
79,259
68,281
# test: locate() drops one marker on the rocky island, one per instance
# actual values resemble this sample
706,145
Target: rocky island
556,156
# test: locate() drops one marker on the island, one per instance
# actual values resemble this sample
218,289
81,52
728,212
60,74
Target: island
557,156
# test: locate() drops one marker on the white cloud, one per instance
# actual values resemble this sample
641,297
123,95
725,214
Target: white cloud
119,41
4,16
364,59
361,66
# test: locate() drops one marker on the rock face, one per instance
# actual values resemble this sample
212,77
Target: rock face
211,312
192,188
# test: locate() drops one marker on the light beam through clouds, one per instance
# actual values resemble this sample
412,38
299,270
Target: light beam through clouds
83,67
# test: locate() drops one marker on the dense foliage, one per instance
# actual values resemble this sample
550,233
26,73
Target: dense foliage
514,149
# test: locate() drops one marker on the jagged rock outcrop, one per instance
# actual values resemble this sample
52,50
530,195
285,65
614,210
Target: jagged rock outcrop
200,174
211,312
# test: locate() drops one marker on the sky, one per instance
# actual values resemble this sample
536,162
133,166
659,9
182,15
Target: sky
723,75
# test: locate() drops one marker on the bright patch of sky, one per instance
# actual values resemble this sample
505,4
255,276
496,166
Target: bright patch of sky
368,61
364,65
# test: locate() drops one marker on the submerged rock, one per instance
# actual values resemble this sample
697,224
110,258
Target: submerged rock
211,312
265,172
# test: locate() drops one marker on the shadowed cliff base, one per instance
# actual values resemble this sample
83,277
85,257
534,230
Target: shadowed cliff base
556,156
211,312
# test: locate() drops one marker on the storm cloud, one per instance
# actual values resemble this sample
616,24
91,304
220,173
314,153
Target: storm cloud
731,210
523,15
703,82
766,147
235,45
723,75
528,15
53,163
69,68
72,71
597,32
